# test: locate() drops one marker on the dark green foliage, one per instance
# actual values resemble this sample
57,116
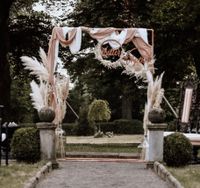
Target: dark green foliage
102,13
70,129
22,31
34,29
99,111
90,75
25,145
129,126
107,127
171,126
77,129
120,126
123,126
84,128
25,125
5,79
174,21
177,150
21,108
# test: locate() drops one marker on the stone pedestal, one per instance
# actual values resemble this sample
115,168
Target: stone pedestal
48,142
155,142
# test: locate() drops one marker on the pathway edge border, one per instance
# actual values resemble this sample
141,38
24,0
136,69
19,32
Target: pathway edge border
33,181
164,174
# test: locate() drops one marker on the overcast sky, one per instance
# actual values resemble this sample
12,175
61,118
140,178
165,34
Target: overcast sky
57,10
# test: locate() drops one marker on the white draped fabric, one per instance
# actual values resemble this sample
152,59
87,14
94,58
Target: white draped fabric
136,35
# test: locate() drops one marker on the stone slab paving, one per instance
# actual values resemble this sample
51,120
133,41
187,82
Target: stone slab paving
102,174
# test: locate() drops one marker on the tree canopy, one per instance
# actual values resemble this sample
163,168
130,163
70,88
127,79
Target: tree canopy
23,32
177,30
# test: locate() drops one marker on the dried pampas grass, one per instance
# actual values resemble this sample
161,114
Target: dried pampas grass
42,90
38,95
38,69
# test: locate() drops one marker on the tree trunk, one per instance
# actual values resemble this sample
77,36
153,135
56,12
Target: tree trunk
127,107
5,80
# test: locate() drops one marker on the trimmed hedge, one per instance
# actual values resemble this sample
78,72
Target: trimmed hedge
70,129
120,126
128,126
25,145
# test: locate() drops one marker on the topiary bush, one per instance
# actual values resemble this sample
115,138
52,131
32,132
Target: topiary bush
99,111
25,145
177,150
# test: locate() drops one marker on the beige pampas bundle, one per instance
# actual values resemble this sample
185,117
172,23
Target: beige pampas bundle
42,91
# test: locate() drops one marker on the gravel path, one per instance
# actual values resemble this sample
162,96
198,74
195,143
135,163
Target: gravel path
89,174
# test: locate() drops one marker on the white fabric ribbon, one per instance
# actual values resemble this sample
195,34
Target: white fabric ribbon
120,38
143,34
75,46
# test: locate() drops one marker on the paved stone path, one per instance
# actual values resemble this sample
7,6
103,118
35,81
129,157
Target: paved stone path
102,174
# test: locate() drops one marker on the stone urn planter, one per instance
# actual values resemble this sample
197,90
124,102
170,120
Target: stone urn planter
156,115
46,114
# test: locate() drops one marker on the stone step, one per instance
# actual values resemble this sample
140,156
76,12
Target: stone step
103,155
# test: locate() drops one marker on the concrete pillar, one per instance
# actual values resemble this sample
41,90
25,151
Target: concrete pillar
48,142
155,142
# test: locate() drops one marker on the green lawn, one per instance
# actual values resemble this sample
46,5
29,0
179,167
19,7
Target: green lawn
188,176
115,144
101,148
15,174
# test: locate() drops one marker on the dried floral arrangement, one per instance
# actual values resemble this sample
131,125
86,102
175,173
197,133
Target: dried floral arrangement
129,62
133,67
43,90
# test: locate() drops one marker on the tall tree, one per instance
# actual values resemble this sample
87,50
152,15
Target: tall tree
177,42
34,29
118,89
5,80
177,27
21,30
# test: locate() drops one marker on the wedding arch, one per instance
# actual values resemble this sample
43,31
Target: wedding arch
52,87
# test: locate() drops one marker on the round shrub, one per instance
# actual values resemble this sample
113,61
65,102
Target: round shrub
177,150
25,145
99,111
